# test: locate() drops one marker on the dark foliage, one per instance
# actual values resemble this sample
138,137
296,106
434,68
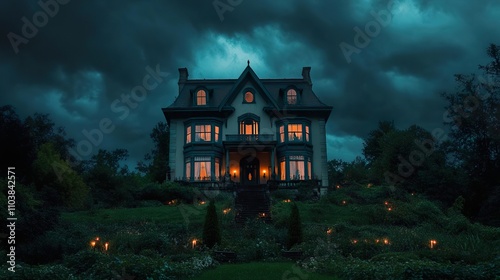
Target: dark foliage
211,228
294,228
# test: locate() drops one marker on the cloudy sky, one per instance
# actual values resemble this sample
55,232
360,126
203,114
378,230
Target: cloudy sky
371,60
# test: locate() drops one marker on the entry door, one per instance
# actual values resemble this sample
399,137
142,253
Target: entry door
249,171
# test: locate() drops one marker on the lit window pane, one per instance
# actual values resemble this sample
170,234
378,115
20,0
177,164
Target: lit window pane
201,97
188,134
291,96
294,132
248,97
282,134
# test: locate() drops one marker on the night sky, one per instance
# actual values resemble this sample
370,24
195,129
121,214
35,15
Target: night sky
86,54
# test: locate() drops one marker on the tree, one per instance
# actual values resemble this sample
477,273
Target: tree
52,172
473,114
109,180
211,228
155,163
294,228
17,147
371,146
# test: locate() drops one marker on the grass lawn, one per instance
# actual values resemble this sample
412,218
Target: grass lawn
169,214
256,271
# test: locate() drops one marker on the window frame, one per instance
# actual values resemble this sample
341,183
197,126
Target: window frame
214,134
197,97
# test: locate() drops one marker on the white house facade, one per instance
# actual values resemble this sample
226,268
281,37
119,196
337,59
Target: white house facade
247,131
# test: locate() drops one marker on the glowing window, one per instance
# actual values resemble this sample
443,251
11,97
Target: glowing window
216,133
249,127
203,132
201,97
291,96
188,134
282,133
249,97
294,132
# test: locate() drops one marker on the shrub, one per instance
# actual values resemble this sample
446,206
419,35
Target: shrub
211,228
295,227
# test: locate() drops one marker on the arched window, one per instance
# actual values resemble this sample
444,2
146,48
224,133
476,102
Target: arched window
201,97
249,124
291,96
249,127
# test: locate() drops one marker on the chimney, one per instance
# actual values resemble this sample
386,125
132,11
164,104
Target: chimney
183,76
306,74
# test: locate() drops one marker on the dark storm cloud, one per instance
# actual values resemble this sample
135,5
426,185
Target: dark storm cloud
90,53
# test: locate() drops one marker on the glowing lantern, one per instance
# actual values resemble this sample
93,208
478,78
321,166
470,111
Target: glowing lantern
338,186
193,243
287,200
92,244
202,202
106,246
386,241
389,209
262,215
432,243
97,238
344,202
329,231
227,210
354,241
386,203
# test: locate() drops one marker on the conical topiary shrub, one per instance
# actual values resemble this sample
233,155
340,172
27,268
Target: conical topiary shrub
294,228
211,229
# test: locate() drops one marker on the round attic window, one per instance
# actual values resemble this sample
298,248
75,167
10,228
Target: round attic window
249,97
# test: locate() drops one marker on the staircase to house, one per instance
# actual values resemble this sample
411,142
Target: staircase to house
252,202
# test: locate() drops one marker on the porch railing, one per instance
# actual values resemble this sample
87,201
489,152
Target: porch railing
249,137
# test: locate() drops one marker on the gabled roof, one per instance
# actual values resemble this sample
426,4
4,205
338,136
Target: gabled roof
222,92
248,75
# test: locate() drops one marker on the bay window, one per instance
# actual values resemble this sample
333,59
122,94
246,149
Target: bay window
202,132
297,131
295,167
202,168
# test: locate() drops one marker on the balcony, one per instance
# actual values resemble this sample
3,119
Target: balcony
249,137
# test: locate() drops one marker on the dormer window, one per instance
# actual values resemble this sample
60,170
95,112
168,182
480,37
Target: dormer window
291,96
249,98
201,97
